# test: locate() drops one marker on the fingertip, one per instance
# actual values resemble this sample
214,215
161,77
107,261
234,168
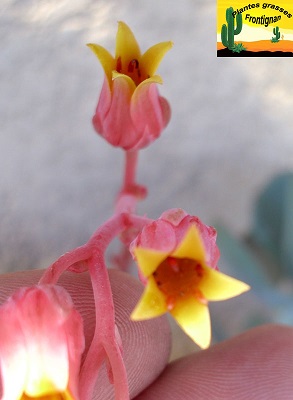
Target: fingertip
146,344
255,365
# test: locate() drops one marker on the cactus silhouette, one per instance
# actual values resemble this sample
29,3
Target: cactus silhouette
277,34
228,31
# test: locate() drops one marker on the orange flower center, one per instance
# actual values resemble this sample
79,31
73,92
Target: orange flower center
178,278
131,69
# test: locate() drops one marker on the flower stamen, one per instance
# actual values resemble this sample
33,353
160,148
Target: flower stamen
178,278
119,65
171,302
134,64
200,297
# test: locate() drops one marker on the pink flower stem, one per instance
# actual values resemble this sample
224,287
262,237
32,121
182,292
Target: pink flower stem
105,343
131,159
103,236
105,334
84,252
55,270
126,202
131,192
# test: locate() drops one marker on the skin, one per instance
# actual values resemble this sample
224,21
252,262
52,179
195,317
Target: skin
257,364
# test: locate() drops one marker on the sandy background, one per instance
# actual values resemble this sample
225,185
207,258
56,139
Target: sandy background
264,45
230,133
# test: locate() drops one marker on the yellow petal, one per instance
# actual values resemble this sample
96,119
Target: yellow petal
105,58
152,79
152,58
148,260
191,246
117,75
151,304
215,285
194,319
126,45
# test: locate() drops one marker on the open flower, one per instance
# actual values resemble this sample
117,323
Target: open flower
130,113
41,342
177,257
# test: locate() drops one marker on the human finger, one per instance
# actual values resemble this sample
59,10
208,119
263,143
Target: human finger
146,344
257,364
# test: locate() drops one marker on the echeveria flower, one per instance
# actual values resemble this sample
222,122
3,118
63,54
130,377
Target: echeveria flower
41,343
177,258
130,113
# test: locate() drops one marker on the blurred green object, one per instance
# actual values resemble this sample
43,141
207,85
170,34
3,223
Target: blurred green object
272,230
264,260
268,301
241,260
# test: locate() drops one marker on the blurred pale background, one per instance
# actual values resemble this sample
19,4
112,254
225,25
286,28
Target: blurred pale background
230,131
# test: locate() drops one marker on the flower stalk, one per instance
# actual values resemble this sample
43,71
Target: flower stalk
176,256
105,345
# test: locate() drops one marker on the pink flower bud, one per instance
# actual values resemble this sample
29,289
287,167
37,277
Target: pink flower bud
130,112
41,343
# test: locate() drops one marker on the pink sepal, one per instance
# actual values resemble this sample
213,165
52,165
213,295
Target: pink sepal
112,119
159,235
150,113
128,116
167,232
103,107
